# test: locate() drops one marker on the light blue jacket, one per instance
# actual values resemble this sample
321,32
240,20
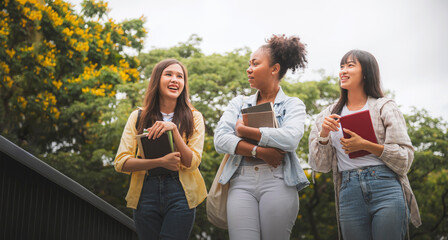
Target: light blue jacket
290,114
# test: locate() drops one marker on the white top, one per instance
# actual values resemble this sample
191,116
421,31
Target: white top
344,162
167,117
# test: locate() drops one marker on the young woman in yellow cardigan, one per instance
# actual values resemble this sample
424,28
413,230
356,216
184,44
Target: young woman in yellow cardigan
164,199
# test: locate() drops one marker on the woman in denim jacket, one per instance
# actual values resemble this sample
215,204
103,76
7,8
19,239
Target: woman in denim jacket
373,196
264,179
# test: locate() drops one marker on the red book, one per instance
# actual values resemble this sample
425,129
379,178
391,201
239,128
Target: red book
361,124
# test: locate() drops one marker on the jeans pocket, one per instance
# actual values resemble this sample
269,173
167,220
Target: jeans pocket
344,182
343,185
384,174
234,177
276,172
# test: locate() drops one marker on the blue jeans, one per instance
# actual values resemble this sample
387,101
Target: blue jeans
371,204
162,211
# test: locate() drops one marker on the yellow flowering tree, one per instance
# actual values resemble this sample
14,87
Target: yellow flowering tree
59,70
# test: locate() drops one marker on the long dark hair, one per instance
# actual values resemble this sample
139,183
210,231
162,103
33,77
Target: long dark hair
370,76
151,109
290,53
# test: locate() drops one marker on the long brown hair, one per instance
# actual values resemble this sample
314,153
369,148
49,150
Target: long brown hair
151,105
370,76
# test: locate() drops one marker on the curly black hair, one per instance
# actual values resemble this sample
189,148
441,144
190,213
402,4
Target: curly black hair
289,52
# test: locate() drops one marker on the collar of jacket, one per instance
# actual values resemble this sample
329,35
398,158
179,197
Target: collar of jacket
252,99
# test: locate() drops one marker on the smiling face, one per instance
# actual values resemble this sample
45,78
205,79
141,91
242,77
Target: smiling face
259,72
351,75
172,82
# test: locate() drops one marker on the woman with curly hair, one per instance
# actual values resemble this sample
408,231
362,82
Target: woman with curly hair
265,177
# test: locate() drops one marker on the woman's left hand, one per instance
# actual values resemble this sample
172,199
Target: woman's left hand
353,144
159,128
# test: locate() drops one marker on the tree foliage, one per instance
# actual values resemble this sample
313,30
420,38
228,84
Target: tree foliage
59,75
429,173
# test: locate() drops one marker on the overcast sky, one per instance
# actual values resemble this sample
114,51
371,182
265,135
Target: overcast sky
409,38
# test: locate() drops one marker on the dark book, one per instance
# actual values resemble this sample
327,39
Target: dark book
156,148
361,124
264,107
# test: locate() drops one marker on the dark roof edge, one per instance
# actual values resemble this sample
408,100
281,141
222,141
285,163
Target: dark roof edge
57,177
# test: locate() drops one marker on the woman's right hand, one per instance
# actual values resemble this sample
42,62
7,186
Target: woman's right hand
238,127
171,161
272,156
330,124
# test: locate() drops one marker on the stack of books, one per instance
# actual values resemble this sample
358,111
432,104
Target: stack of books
261,115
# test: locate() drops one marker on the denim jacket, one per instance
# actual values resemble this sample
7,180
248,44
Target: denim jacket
290,114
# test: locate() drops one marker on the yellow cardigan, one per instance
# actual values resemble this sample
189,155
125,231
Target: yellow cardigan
190,177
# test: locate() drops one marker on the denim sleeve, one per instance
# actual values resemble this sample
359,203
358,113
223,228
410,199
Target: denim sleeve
286,137
225,138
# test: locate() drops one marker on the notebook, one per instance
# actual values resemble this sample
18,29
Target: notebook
156,148
361,124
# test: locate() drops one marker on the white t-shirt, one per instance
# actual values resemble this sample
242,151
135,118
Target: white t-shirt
344,162
167,117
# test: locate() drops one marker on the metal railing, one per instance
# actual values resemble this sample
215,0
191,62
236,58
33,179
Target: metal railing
39,202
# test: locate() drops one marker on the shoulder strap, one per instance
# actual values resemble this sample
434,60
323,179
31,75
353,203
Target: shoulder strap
136,127
138,119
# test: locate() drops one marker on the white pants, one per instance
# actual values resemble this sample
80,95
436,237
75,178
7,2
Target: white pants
260,205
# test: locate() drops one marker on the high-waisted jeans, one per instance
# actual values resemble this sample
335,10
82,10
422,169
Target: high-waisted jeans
371,205
260,205
162,211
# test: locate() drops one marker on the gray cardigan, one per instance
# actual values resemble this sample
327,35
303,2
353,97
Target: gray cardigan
390,130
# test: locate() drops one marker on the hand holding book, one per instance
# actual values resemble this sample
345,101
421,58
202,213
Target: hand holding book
354,143
261,115
159,127
358,126
172,161
159,148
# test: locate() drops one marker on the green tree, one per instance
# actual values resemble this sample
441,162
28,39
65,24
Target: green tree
429,173
59,75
